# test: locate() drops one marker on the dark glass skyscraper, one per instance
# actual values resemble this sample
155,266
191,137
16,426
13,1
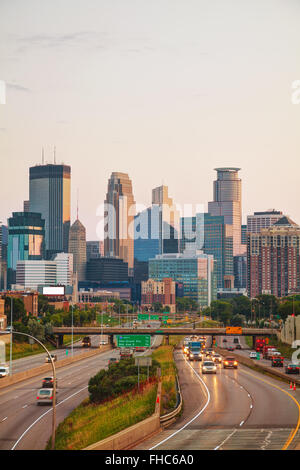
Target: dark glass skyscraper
49,194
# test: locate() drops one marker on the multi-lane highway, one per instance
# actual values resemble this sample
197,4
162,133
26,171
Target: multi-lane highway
234,409
23,424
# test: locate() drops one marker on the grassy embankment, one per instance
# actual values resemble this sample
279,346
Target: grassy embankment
90,423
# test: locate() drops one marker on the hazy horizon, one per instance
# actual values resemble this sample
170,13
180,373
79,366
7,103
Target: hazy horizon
165,91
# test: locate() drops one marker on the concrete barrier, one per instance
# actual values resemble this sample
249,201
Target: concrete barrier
133,435
46,368
250,363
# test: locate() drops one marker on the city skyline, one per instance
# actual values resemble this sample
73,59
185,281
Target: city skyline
188,100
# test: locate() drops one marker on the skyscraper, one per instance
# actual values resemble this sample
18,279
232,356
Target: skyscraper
119,216
227,202
77,246
49,194
169,220
3,256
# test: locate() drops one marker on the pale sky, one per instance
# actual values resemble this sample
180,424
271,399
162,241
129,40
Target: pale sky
164,90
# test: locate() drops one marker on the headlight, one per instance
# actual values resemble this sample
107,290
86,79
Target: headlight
192,355
235,363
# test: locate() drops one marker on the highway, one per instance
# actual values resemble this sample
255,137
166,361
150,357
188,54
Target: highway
29,362
26,426
234,409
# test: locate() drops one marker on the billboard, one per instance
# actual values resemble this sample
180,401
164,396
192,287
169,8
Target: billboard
59,290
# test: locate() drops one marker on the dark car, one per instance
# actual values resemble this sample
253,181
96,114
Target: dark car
277,361
86,342
48,382
230,348
224,340
230,362
238,346
292,369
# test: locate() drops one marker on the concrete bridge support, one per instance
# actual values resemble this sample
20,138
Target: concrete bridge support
59,341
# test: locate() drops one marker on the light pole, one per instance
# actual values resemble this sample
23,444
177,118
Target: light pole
11,336
72,332
54,384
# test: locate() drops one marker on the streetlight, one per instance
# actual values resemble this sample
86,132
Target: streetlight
11,337
54,383
72,331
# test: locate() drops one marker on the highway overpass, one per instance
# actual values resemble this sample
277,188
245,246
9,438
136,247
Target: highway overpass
59,332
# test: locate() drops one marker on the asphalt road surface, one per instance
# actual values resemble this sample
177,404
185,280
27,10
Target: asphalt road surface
234,409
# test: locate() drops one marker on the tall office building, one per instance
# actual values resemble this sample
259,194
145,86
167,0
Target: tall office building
77,246
146,234
94,249
26,232
49,194
227,202
244,234
64,268
188,233
169,220
218,241
273,259
119,215
33,273
260,220
3,256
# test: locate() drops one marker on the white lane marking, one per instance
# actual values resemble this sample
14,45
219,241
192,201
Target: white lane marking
25,406
195,417
4,419
225,440
44,414
241,423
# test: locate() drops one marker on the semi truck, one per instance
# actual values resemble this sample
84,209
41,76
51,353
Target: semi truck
194,352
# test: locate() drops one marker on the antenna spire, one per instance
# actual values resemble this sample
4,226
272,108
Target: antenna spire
77,202
43,156
54,154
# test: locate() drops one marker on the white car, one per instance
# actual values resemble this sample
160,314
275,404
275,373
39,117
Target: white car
103,341
253,355
4,370
209,367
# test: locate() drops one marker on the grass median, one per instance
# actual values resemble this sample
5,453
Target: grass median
90,423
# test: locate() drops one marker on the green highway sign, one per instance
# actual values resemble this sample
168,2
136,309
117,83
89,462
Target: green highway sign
258,356
154,317
131,341
143,316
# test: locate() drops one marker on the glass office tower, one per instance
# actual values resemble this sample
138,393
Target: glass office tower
26,232
49,194
227,202
195,271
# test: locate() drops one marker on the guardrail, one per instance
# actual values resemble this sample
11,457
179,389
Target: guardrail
169,418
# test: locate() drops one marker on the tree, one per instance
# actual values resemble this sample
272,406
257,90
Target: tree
36,329
241,305
18,308
221,310
237,320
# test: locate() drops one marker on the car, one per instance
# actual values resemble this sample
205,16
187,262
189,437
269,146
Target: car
209,367
238,346
48,382
54,358
4,370
86,342
230,348
140,349
253,355
113,360
224,340
217,358
292,369
277,361
148,326
230,362
45,395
